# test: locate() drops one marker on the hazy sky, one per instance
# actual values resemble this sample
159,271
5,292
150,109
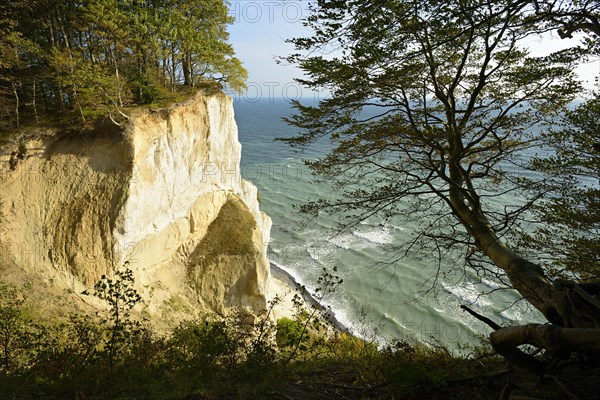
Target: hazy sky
259,35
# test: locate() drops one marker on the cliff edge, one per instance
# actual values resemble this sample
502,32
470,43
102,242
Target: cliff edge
164,193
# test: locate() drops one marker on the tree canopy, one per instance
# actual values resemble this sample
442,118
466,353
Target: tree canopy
570,235
461,105
85,56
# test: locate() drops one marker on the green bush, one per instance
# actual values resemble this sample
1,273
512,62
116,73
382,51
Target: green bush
290,332
203,343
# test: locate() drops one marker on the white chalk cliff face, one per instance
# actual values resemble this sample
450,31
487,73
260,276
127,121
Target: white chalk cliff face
165,194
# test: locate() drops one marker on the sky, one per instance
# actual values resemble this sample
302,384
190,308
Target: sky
259,36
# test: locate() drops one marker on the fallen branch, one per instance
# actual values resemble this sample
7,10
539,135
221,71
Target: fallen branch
483,319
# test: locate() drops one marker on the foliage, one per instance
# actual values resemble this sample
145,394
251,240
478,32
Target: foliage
70,352
401,354
203,344
121,298
572,212
118,293
569,17
98,57
228,357
290,332
310,322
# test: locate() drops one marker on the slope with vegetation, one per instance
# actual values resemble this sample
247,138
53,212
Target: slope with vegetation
114,356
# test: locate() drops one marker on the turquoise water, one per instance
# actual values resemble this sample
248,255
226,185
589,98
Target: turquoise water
390,298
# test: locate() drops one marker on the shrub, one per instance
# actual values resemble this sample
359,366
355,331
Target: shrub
203,343
290,332
121,297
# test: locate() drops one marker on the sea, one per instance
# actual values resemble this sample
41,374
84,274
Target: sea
376,300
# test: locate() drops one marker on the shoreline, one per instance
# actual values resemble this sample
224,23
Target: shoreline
288,281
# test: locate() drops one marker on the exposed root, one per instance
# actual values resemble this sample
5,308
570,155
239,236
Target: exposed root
573,305
573,334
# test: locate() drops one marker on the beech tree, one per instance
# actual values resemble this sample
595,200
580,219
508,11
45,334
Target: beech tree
571,233
571,210
455,105
568,17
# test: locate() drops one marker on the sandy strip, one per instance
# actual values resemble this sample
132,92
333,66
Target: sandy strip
285,286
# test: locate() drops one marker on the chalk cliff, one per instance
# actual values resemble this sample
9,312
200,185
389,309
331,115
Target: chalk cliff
164,193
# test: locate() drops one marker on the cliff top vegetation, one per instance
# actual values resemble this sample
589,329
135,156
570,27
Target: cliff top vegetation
85,59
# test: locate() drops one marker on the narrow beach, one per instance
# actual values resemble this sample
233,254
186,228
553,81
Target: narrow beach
285,286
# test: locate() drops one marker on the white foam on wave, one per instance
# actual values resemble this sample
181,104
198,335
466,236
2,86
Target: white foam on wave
400,324
397,228
348,242
469,293
490,284
340,314
513,314
340,241
323,253
439,310
284,268
376,236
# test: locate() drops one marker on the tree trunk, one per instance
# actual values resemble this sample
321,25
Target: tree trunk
558,341
33,102
572,309
116,64
174,66
56,88
526,277
16,93
45,100
187,69
563,303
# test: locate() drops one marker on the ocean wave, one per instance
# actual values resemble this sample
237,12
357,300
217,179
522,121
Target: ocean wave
376,236
337,316
348,242
319,254
490,284
468,293
514,314
284,268
362,239
397,228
